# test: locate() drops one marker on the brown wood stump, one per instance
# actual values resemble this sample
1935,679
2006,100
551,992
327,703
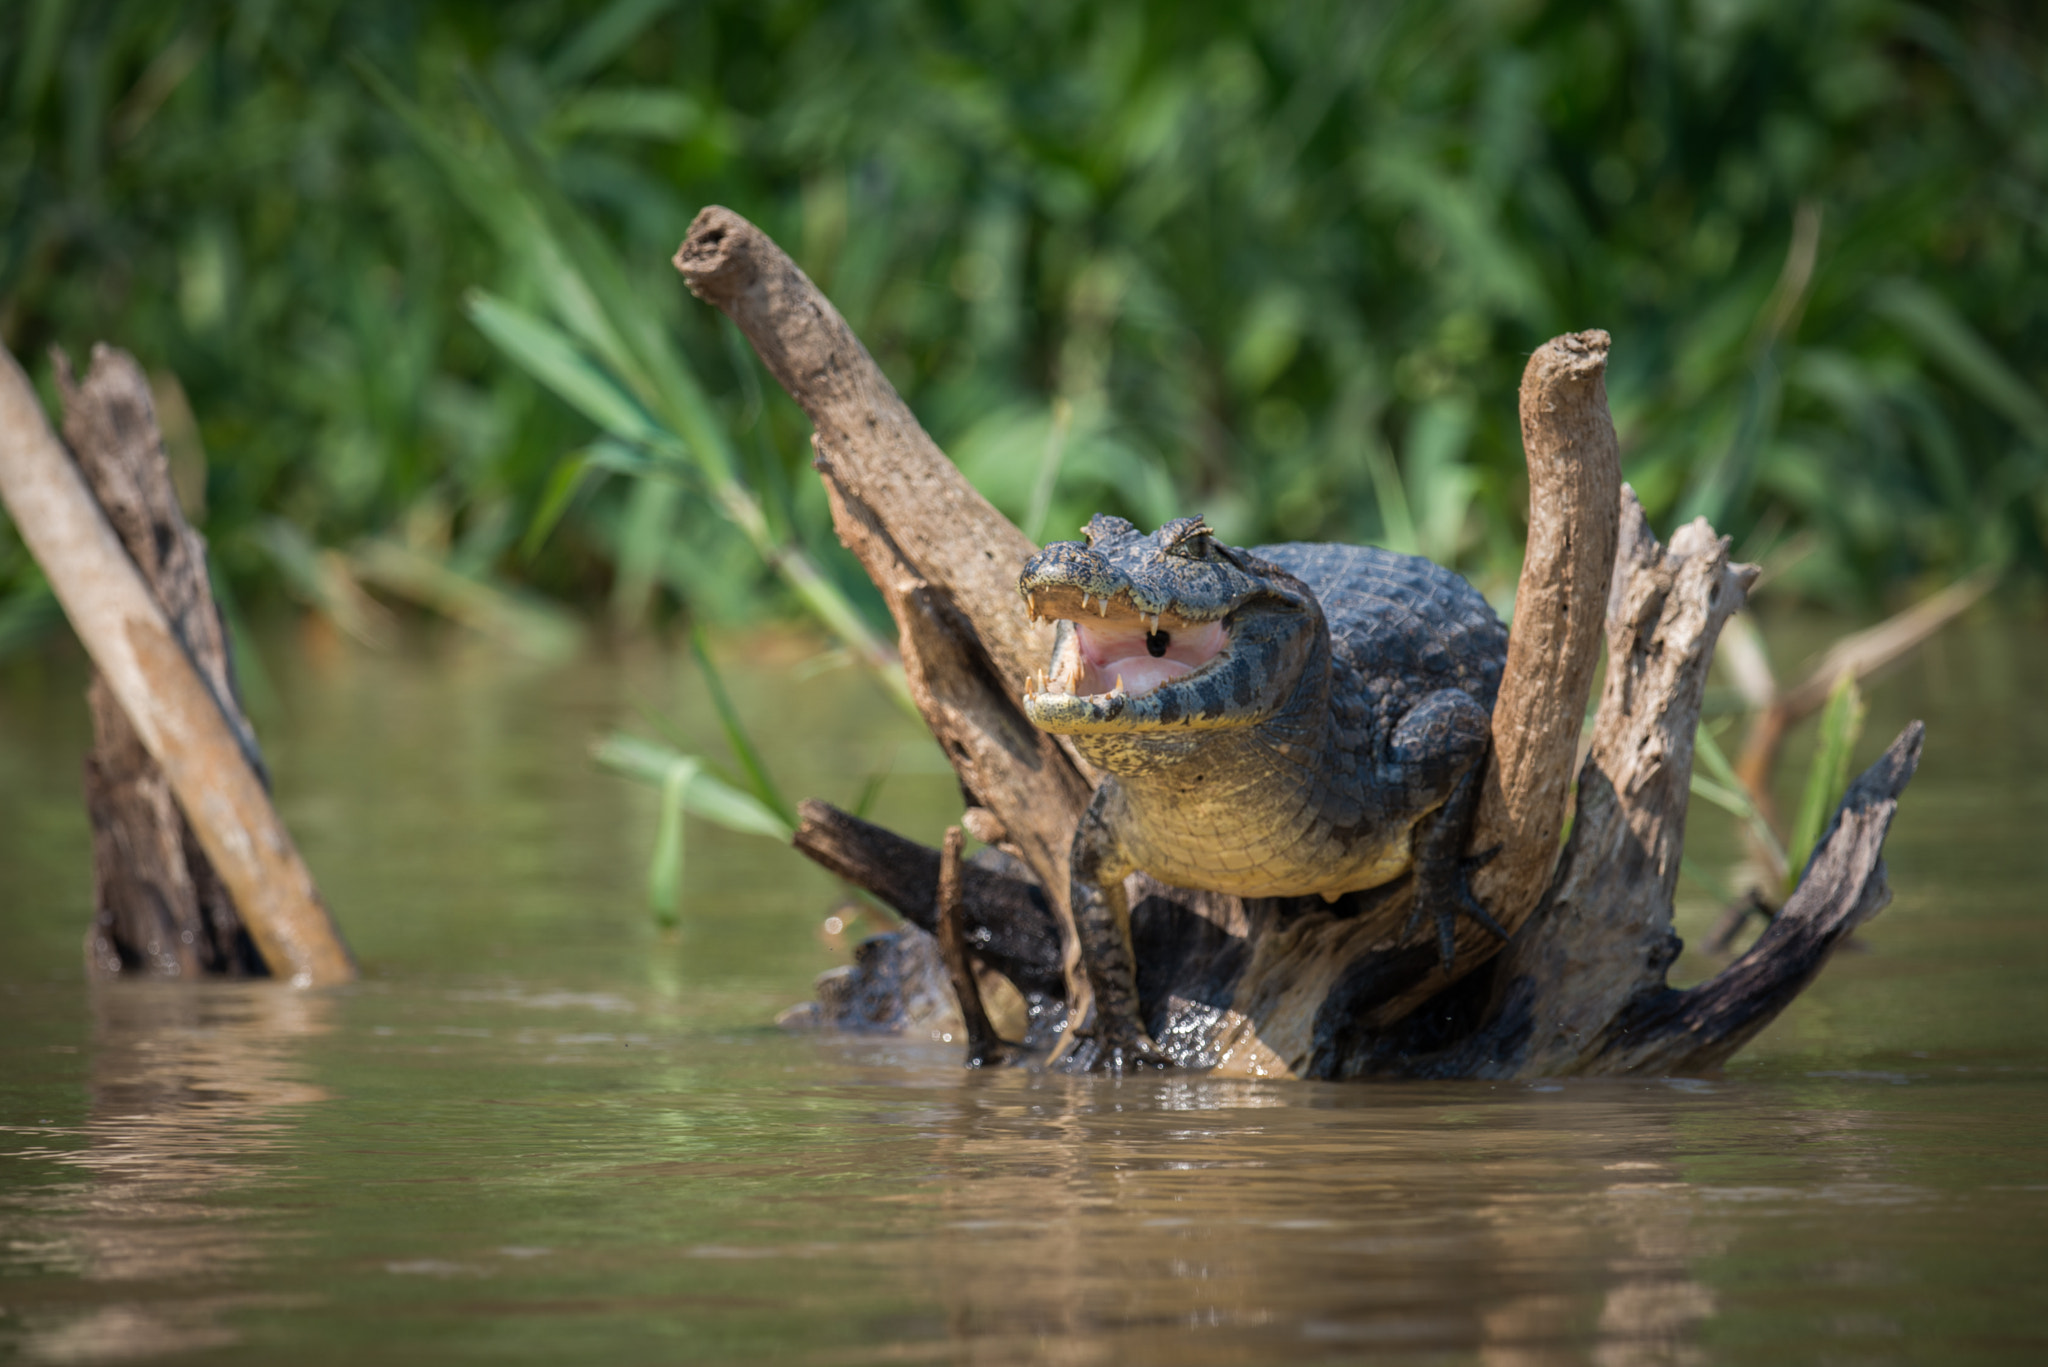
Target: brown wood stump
1295,986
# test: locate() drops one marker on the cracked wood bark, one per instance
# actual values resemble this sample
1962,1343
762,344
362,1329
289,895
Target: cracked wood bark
1661,1031
1010,924
1602,935
171,705
1554,641
1291,985
1605,930
944,559
159,907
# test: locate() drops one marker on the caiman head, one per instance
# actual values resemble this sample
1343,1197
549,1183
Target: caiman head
1164,633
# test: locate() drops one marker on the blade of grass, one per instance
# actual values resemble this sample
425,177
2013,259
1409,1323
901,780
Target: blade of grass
1827,777
705,794
736,735
632,337
547,354
665,865
1727,792
1048,469
872,789
1943,334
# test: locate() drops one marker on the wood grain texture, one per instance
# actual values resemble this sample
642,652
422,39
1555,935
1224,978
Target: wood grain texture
1293,986
1554,640
1602,936
1010,924
1662,1031
173,708
945,560
159,907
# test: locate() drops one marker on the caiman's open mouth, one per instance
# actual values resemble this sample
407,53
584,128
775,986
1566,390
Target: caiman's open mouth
1160,634
1116,649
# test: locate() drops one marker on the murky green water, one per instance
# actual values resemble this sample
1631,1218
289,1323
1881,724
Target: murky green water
540,1130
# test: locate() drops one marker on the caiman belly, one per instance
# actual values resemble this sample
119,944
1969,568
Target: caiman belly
1222,849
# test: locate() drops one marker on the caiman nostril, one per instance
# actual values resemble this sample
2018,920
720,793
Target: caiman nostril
1156,643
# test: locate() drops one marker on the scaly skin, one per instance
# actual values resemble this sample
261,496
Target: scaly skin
1322,729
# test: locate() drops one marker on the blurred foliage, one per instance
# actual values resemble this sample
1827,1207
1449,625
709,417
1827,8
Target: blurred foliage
1277,264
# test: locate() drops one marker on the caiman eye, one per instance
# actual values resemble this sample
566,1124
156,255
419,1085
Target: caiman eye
1187,537
1156,643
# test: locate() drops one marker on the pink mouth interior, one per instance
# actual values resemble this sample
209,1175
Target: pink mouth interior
1113,650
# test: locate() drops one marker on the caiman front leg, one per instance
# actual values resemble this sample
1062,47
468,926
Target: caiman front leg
1102,917
1444,739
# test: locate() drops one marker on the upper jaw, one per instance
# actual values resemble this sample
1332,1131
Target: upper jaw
1106,600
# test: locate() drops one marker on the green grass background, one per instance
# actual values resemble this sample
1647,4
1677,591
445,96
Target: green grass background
1278,264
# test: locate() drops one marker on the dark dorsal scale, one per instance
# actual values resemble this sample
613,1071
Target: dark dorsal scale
1156,643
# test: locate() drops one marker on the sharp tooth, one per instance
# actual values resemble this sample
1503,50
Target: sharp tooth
1119,684
1031,603
1084,601
1152,621
1103,611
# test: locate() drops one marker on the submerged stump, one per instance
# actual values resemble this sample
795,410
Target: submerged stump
194,874
1297,986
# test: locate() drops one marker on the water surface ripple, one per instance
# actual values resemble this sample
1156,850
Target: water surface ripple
542,1130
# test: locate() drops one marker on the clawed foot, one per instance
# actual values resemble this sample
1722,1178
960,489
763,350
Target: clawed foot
1445,891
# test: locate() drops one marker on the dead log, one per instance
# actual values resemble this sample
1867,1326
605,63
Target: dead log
984,1045
177,712
945,560
159,907
1009,922
1574,462
1297,986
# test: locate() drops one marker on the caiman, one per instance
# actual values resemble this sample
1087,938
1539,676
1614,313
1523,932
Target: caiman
1273,722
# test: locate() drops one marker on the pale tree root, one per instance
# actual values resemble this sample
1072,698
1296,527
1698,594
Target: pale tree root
1299,987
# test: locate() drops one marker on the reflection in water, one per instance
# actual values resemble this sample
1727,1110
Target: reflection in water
1086,1221
187,1088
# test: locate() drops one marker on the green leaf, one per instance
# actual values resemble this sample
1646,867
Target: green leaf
604,36
633,338
1945,335
1827,777
665,866
547,354
736,735
646,112
1726,791
562,487
704,794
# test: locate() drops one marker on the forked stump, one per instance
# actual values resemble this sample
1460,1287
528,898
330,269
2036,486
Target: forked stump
1295,986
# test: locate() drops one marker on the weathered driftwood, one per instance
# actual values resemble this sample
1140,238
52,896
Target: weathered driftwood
984,1045
1010,926
1574,462
945,560
179,714
1297,986
159,907
1604,932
